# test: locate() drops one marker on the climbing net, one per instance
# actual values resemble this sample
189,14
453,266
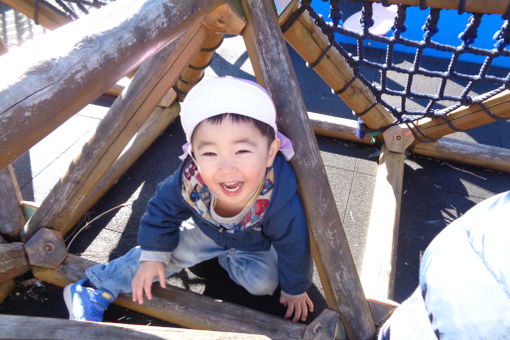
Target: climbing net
454,86
71,8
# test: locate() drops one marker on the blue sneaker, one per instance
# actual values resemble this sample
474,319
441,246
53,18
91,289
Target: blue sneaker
86,303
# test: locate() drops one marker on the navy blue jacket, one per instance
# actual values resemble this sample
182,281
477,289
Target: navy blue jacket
283,226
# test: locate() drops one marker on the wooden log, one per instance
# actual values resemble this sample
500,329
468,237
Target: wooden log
226,19
11,214
379,261
273,67
46,15
13,261
3,47
6,288
336,127
127,114
46,248
465,117
309,42
150,130
29,327
50,79
183,307
474,6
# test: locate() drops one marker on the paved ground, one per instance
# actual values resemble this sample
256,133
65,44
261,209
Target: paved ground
434,194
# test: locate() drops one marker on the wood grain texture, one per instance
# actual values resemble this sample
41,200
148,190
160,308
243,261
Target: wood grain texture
273,69
185,308
379,261
11,214
123,120
48,80
13,261
27,327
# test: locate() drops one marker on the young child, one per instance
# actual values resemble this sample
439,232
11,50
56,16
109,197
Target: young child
233,197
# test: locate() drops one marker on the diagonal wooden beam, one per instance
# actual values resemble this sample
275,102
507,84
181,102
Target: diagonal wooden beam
49,80
183,307
273,68
39,11
464,118
127,114
11,214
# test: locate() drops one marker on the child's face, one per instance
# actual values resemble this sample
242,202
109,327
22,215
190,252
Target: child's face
232,158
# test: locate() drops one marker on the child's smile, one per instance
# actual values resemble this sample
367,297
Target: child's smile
232,158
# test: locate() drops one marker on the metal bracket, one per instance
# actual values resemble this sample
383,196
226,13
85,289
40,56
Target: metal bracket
398,138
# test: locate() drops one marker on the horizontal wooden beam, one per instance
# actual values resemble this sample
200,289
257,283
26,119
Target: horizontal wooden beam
150,130
13,261
45,15
183,307
29,327
126,115
48,80
464,118
379,261
273,69
448,149
11,214
310,43
6,288
474,6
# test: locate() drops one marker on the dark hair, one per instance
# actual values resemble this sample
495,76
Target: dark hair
265,129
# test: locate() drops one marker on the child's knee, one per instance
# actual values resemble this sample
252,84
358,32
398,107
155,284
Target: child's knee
259,286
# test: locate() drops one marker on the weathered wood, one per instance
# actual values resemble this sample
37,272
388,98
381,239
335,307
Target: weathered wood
196,68
48,80
379,261
398,138
382,310
46,15
3,47
150,130
183,307
13,261
11,214
226,19
6,288
309,42
29,327
123,120
475,6
273,67
465,117
336,127
46,248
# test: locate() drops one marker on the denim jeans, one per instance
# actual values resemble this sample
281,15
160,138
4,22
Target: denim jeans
257,271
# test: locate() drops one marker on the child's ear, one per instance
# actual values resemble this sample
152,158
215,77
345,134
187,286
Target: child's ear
273,150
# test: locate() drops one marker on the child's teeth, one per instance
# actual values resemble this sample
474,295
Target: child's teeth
231,187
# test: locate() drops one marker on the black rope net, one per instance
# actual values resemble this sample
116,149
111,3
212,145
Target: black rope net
449,82
72,9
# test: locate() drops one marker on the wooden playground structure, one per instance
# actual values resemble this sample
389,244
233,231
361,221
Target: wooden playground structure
169,43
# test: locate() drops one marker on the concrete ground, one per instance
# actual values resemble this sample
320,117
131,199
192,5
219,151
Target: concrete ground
434,193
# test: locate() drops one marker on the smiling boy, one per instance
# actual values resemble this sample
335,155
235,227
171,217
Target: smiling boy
233,198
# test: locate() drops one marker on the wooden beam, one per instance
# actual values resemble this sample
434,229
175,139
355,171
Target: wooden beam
13,261
226,19
3,47
379,261
6,288
127,114
310,43
183,307
47,81
29,327
150,130
465,117
473,6
11,214
336,127
46,15
273,68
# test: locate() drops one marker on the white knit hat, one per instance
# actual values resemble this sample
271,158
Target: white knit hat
215,96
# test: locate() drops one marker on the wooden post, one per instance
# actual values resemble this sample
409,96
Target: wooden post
29,327
46,15
183,307
474,6
49,80
13,261
378,273
465,117
6,288
332,255
152,128
11,214
127,114
309,42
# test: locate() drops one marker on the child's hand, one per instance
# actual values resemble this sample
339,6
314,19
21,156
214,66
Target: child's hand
299,307
147,271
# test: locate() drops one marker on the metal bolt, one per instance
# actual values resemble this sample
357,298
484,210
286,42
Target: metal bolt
49,248
398,137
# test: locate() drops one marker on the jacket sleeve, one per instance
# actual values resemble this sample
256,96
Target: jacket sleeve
159,226
289,236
